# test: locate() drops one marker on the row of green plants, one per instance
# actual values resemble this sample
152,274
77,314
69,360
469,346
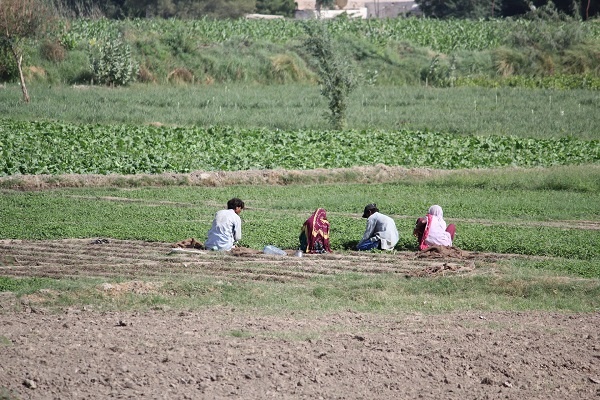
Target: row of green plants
489,219
556,82
443,35
39,147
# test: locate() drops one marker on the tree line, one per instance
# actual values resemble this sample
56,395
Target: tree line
183,9
584,9
189,9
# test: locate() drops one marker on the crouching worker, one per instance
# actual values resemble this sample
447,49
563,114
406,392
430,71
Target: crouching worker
314,237
381,232
432,230
226,228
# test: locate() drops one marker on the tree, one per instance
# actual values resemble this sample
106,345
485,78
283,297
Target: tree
220,8
276,7
512,8
583,8
324,4
460,8
188,8
334,72
19,20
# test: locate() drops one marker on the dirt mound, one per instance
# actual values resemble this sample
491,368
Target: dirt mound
365,174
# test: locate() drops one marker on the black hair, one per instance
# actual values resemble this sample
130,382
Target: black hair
235,203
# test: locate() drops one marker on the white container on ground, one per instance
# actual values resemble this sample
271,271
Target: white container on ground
276,251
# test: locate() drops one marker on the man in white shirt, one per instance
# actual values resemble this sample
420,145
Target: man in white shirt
381,232
226,227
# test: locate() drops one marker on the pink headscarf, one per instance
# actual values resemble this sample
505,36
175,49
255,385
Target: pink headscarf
435,230
436,210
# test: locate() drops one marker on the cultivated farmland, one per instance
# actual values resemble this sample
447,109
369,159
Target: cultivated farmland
98,184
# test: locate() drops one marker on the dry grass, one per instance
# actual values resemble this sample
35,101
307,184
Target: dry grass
180,76
368,174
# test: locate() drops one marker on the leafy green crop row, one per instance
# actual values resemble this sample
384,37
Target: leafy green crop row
58,148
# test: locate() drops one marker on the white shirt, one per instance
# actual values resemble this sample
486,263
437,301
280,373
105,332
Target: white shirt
226,229
384,228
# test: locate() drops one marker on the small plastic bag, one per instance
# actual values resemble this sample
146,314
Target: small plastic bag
272,250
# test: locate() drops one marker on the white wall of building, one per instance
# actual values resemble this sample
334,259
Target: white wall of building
326,14
359,9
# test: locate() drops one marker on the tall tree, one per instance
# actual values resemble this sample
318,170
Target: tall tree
276,7
188,8
19,20
460,8
584,8
227,8
512,8
324,4
333,70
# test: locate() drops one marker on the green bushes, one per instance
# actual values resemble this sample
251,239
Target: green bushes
8,66
52,51
112,63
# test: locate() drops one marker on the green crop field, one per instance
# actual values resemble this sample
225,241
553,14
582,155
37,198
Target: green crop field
456,113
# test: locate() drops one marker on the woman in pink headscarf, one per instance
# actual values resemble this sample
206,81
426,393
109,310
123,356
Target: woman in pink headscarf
432,230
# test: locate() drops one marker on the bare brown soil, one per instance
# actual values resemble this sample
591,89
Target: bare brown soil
220,352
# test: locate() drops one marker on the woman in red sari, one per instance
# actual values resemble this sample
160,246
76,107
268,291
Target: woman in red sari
314,237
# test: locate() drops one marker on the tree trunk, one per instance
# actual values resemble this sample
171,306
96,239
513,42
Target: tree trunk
19,59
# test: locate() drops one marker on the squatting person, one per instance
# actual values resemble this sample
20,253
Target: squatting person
381,232
226,227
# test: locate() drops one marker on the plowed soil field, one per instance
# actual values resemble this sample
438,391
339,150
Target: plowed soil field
126,258
221,352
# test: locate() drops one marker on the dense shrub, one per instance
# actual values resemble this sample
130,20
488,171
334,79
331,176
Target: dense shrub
112,63
8,66
403,51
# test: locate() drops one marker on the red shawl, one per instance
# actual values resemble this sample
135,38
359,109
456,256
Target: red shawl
423,245
316,231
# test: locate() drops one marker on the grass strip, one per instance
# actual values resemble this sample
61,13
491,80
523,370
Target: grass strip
507,286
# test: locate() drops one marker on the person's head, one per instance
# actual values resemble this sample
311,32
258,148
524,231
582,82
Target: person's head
321,212
236,205
370,209
436,210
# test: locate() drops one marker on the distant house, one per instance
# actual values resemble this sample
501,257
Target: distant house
358,9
